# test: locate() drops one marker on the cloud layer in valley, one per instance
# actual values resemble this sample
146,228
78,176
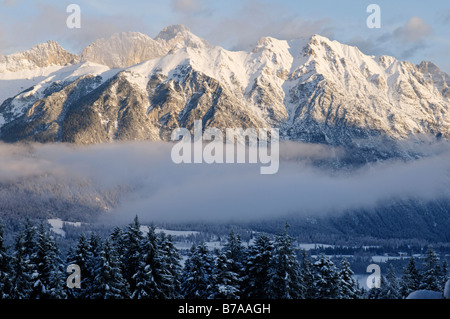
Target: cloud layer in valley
160,190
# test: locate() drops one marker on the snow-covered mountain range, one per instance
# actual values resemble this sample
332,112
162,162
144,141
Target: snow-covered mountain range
133,87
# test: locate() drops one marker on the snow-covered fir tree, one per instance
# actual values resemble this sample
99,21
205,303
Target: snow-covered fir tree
226,283
23,268
307,275
79,256
131,257
444,275
376,292
148,276
268,268
431,272
109,282
93,264
284,272
229,268
348,286
48,277
170,267
30,234
410,280
256,268
5,268
197,277
116,240
389,287
326,279
235,252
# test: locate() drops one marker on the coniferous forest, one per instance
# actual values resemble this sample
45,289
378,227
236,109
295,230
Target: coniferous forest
132,264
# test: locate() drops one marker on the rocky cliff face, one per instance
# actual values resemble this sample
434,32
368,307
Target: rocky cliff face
126,49
122,50
315,90
39,56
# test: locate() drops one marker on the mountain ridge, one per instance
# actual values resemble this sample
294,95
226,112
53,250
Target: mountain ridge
40,55
314,89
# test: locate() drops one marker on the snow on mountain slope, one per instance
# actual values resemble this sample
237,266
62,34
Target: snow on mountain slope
54,75
244,74
215,62
313,89
41,85
339,87
12,83
20,71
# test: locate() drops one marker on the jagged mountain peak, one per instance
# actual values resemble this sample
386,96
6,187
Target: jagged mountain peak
173,31
125,36
270,44
39,56
438,78
428,67
123,49
126,49
179,36
322,47
314,89
47,46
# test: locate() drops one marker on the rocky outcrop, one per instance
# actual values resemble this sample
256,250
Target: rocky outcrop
39,56
315,90
122,50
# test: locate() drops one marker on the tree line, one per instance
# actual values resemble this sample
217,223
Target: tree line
134,264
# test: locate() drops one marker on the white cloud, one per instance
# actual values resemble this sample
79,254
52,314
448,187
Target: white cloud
414,31
413,40
241,28
9,2
164,191
49,23
186,5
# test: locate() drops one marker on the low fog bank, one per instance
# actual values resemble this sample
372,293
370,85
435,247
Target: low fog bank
161,191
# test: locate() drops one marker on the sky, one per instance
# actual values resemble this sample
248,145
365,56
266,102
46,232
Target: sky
410,30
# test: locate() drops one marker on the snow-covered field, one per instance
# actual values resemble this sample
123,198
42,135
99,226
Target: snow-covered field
57,225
